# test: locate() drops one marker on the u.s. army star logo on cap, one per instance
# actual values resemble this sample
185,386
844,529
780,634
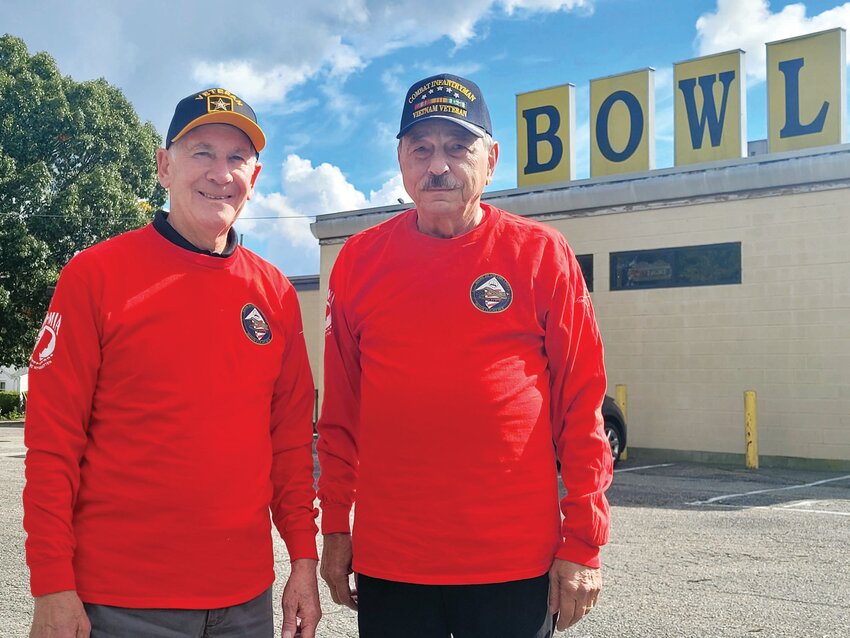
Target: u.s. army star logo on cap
255,325
219,103
491,293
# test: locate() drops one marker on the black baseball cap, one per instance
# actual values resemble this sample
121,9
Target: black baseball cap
448,97
215,106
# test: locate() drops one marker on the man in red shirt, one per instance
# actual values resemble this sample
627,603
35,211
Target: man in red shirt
169,412
461,344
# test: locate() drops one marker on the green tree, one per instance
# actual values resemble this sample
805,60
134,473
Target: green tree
76,167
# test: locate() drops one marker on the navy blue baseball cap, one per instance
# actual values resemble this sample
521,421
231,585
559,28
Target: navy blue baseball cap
448,97
215,106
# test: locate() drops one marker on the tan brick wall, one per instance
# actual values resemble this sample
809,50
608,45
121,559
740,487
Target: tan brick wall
688,354
316,338
312,304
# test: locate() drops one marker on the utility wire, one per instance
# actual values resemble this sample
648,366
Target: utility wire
255,218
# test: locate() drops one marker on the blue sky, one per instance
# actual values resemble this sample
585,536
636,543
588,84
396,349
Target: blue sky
327,79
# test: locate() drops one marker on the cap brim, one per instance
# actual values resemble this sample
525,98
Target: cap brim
472,128
244,124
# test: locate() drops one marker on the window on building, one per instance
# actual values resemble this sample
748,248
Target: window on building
709,265
2,386
585,262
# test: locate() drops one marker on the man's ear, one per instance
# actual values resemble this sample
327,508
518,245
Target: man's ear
163,167
492,158
254,179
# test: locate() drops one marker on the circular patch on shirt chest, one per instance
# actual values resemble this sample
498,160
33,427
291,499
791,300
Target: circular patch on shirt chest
255,324
491,293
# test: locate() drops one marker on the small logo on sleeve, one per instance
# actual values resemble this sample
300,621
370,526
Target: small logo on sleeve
255,325
45,344
328,317
491,293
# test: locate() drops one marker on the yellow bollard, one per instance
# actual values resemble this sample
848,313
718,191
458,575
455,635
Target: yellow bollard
751,430
622,399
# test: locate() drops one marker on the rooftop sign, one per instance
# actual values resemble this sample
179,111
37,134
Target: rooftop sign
806,108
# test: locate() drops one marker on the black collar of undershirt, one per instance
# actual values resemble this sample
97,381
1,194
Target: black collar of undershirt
161,225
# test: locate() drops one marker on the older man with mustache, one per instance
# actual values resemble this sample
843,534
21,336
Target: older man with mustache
460,345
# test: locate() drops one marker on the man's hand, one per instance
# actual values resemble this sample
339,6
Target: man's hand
336,568
573,590
60,615
301,609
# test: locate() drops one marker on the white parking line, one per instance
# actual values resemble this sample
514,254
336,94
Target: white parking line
773,489
643,467
795,509
793,504
779,508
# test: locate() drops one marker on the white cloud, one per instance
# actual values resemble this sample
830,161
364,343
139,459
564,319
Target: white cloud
324,189
344,60
391,79
547,5
308,191
284,233
390,192
263,54
349,110
242,78
273,214
664,113
749,24
663,82
295,142
392,76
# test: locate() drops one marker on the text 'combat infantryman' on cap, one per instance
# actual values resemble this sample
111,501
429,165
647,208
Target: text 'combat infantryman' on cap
215,106
448,97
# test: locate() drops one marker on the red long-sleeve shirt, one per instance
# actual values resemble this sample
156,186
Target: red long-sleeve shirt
165,419
451,366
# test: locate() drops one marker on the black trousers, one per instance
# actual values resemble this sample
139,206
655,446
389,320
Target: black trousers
516,609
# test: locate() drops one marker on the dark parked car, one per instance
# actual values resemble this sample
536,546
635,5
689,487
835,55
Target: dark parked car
615,427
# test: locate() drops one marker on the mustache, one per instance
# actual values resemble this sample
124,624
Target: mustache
439,182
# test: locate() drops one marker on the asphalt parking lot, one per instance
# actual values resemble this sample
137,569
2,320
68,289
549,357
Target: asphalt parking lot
696,551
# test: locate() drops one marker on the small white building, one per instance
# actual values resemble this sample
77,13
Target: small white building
13,379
